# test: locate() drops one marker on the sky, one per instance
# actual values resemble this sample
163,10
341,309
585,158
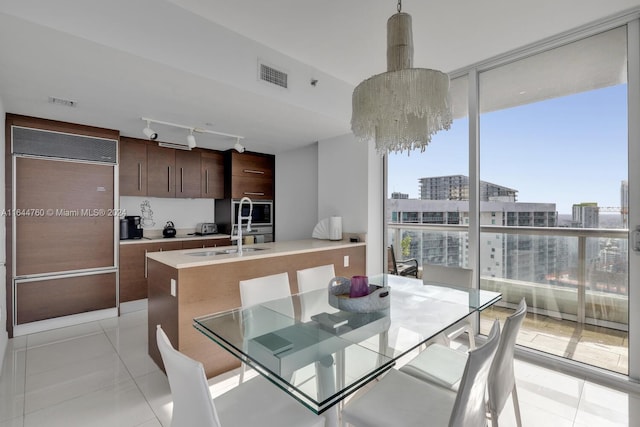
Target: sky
565,150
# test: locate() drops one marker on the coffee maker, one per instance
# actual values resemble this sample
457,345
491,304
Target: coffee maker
131,227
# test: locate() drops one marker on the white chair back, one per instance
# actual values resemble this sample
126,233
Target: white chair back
501,376
454,276
192,402
469,409
461,278
311,279
314,278
265,288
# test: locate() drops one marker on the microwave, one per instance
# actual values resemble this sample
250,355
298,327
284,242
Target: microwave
262,213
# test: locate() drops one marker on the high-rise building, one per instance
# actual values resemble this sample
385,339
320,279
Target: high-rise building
512,256
456,187
585,215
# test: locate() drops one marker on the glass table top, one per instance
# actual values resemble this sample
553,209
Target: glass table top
319,354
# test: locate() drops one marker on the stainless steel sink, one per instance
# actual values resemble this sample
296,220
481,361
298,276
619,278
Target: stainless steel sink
235,251
224,252
203,253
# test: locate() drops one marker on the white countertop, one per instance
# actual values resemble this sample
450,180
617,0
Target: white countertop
182,259
173,239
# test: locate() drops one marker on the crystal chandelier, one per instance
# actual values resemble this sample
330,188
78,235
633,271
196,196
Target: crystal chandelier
402,108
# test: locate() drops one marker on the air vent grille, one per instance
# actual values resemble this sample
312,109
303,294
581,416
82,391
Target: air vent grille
43,143
273,76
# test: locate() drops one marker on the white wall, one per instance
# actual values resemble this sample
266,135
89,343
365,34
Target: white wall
184,213
350,185
3,290
296,193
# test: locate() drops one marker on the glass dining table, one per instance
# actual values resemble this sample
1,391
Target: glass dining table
319,354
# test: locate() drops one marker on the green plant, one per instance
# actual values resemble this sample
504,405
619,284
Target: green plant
406,245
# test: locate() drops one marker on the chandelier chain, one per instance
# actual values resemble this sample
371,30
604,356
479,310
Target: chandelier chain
399,6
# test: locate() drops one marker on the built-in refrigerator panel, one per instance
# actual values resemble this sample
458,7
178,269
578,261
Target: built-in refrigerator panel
64,216
63,229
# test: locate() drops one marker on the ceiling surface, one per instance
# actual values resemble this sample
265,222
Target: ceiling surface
195,62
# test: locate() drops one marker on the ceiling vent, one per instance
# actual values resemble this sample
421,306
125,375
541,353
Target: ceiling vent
63,102
271,75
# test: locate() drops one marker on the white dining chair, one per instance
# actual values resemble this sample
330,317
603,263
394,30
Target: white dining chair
452,276
310,279
444,366
256,402
260,290
399,399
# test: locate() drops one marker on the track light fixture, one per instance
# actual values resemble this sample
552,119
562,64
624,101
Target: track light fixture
238,147
150,133
191,140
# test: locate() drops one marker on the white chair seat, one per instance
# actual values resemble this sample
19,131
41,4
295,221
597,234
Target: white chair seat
257,402
444,366
419,403
399,399
438,364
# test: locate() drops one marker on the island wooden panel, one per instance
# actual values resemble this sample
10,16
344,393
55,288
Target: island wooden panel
212,288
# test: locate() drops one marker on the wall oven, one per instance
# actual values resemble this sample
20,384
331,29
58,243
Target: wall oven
261,215
262,218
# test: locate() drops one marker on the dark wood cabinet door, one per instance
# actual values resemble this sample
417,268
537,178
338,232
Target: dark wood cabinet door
133,279
133,267
187,174
212,175
161,171
133,167
252,176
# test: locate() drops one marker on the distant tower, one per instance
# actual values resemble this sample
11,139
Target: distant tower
398,195
585,215
624,203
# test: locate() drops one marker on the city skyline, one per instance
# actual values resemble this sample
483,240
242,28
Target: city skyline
568,150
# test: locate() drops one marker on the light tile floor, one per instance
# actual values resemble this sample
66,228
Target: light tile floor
99,374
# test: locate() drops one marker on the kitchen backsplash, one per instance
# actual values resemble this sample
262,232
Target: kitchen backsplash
155,211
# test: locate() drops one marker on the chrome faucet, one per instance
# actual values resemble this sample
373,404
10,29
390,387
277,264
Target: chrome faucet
240,218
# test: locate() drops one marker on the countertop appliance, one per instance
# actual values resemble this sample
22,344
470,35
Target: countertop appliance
131,227
206,228
169,230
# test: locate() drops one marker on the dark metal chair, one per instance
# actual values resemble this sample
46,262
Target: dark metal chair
403,267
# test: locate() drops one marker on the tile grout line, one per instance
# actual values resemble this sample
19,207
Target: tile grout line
131,375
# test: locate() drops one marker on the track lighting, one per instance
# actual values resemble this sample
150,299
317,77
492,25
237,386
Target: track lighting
150,133
238,147
191,140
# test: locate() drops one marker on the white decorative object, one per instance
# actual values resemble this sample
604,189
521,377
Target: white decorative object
328,229
402,108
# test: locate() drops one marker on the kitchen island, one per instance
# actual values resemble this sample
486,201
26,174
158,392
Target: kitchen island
184,284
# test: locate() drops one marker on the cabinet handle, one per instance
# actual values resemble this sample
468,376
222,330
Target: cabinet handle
254,193
168,179
206,181
145,263
139,177
181,180
253,171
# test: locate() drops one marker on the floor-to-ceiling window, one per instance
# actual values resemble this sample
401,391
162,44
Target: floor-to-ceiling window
553,191
553,130
430,188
